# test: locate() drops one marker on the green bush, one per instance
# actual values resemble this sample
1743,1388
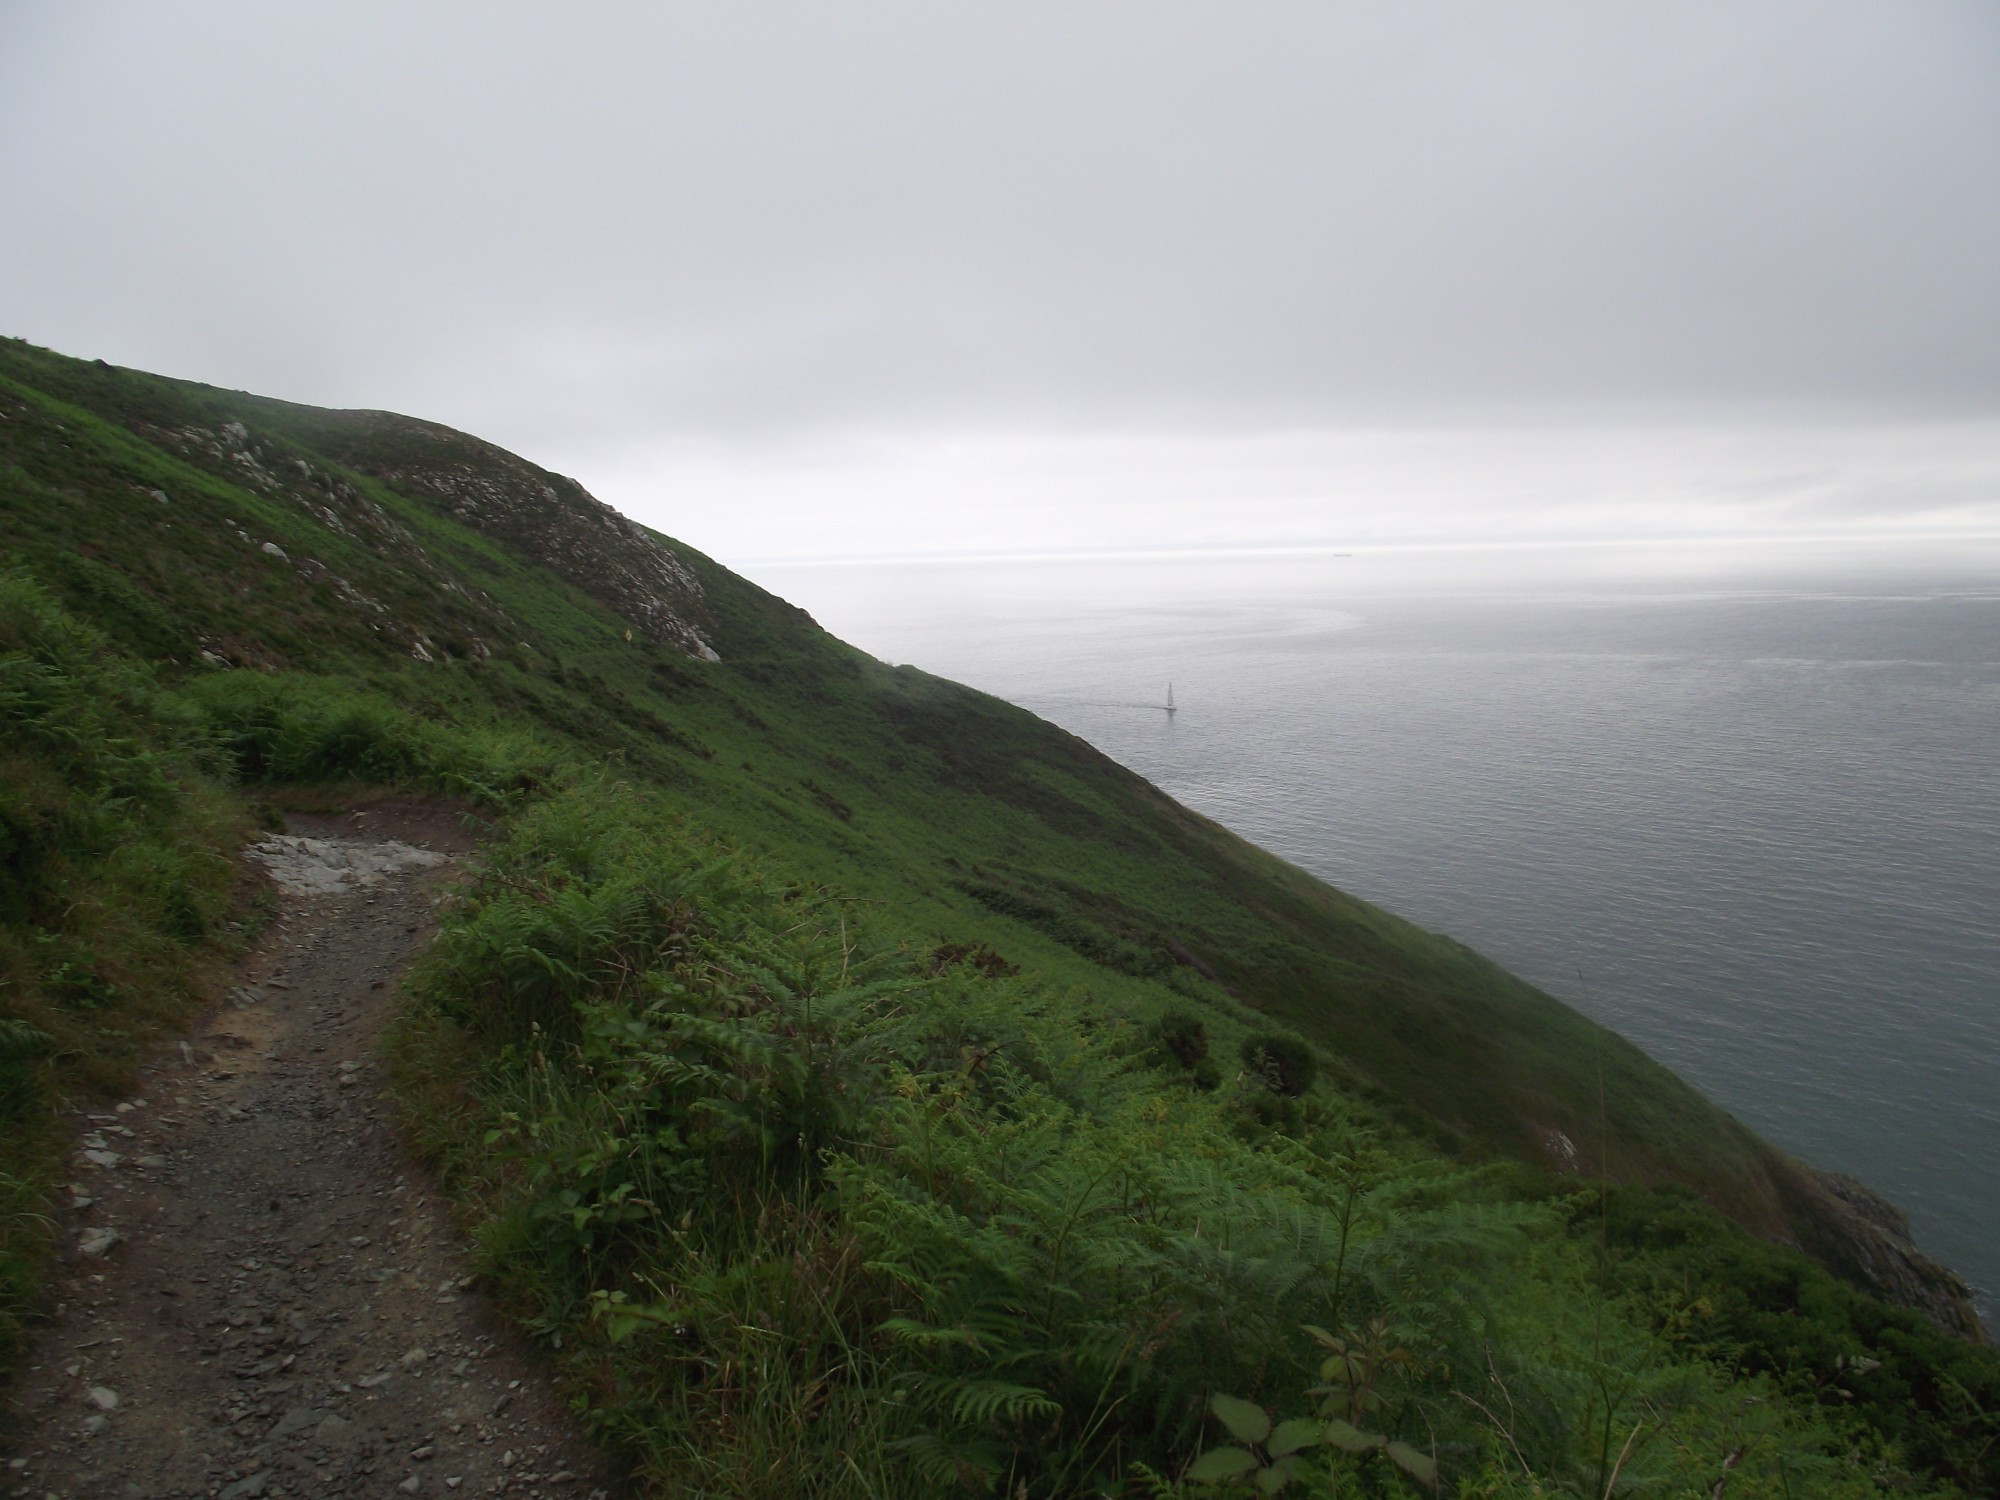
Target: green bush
1285,1064
296,729
1183,1036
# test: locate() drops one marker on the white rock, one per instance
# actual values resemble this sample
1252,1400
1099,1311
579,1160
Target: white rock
96,1243
102,1397
275,550
325,867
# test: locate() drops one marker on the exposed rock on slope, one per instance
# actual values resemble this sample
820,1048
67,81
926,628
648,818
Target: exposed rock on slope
544,515
1860,1235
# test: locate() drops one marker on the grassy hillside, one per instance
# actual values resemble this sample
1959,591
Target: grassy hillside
1016,941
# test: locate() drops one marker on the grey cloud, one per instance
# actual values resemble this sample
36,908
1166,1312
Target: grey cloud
788,214
583,230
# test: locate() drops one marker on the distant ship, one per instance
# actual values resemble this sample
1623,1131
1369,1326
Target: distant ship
1170,700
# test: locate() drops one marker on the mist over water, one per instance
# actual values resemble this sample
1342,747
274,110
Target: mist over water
1739,804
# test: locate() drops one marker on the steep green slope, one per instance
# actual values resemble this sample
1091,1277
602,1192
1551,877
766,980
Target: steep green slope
399,537
310,596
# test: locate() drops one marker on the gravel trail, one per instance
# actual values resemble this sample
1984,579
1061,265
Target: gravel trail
263,1296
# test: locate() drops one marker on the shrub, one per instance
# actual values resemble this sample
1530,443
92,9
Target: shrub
1183,1036
1286,1064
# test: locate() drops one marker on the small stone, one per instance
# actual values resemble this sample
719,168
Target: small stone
562,1476
102,1397
95,1423
420,1454
96,1243
295,1420
507,1459
275,550
415,1358
104,1159
248,1488
150,1162
452,1482
411,1485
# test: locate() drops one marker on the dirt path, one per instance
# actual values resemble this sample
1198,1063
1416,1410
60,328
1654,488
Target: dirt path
265,1299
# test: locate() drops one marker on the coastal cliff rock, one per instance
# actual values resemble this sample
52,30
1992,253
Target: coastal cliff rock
1858,1234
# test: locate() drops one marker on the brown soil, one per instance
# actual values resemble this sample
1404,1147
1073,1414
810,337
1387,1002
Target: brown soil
287,1310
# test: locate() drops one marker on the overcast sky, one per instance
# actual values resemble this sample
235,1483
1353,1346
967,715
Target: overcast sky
877,279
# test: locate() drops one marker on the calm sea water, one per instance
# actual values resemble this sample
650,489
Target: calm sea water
1742,808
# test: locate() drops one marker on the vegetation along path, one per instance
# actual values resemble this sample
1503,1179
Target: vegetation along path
266,1298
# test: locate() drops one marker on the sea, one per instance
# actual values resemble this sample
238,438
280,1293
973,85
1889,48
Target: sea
1739,802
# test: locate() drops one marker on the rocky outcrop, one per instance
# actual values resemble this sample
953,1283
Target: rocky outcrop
1861,1236
550,518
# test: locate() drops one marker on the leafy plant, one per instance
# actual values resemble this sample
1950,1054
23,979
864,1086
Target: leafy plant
1273,1456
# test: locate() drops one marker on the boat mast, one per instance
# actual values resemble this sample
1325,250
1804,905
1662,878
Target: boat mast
1170,697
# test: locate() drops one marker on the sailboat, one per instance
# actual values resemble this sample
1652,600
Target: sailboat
1170,700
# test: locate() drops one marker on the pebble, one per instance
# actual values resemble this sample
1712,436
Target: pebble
96,1243
102,1397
